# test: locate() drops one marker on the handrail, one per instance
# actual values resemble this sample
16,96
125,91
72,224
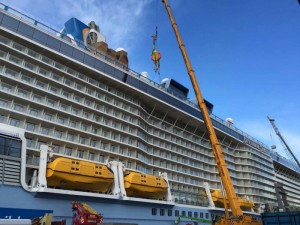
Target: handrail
54,32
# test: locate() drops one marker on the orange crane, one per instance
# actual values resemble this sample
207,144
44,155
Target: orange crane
237,218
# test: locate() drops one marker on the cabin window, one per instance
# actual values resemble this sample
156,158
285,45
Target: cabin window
154,211
30,126
68,151
14,122
183,213
190,213
10,147
56,148
91,156
201,215
80,154
206,215
169,212
196,214
162,212
176,212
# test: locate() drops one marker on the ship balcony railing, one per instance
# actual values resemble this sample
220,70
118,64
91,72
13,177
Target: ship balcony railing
52,32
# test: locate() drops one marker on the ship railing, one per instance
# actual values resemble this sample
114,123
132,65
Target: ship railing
53,32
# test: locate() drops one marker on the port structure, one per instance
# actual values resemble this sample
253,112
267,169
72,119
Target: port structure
237,217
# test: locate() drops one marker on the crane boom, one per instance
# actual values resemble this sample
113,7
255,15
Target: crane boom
237,213
285,145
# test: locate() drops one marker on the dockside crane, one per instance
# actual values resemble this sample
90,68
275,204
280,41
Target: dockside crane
287,149
237,217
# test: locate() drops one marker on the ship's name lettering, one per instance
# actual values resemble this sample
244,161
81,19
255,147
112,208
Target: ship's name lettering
254,144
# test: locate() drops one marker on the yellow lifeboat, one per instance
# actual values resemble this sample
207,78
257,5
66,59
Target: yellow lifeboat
217,197
145,185
79,175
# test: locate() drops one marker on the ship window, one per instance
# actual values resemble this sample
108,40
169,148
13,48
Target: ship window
57,134
80,154
68,151
176,212
65,94
14,59
91,156
10,72
82,140
93,143
10,147
75,111
22,93
18,107
43,72
206,215
85,114
77,98
3,102
70,137
48,116
101,158
162,212
53,89
33,112
37,98
45,130
63,106
190,213
169,212
26,78
50,102
68,82
32,53
83,126
103,145
196,214
183,213
154,211
29,65
61,120
56,148
30,126
6,87
201,215
89,91
72,123
45,59
14,122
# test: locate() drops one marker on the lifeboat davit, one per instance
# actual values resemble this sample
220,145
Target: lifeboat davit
79,175
145,185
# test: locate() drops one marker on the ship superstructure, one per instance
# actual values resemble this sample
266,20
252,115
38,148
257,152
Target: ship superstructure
86,103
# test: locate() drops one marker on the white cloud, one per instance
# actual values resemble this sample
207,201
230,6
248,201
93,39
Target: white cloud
121,22
263,131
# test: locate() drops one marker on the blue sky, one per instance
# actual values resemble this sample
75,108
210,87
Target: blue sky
246,54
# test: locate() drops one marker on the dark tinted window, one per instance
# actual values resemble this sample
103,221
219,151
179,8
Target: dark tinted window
162,212
154,211
10,147
169,212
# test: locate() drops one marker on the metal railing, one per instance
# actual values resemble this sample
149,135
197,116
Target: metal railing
79,43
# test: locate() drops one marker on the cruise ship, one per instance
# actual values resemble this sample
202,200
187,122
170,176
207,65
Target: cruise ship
69,92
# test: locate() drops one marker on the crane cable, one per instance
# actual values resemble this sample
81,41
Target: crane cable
156,55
